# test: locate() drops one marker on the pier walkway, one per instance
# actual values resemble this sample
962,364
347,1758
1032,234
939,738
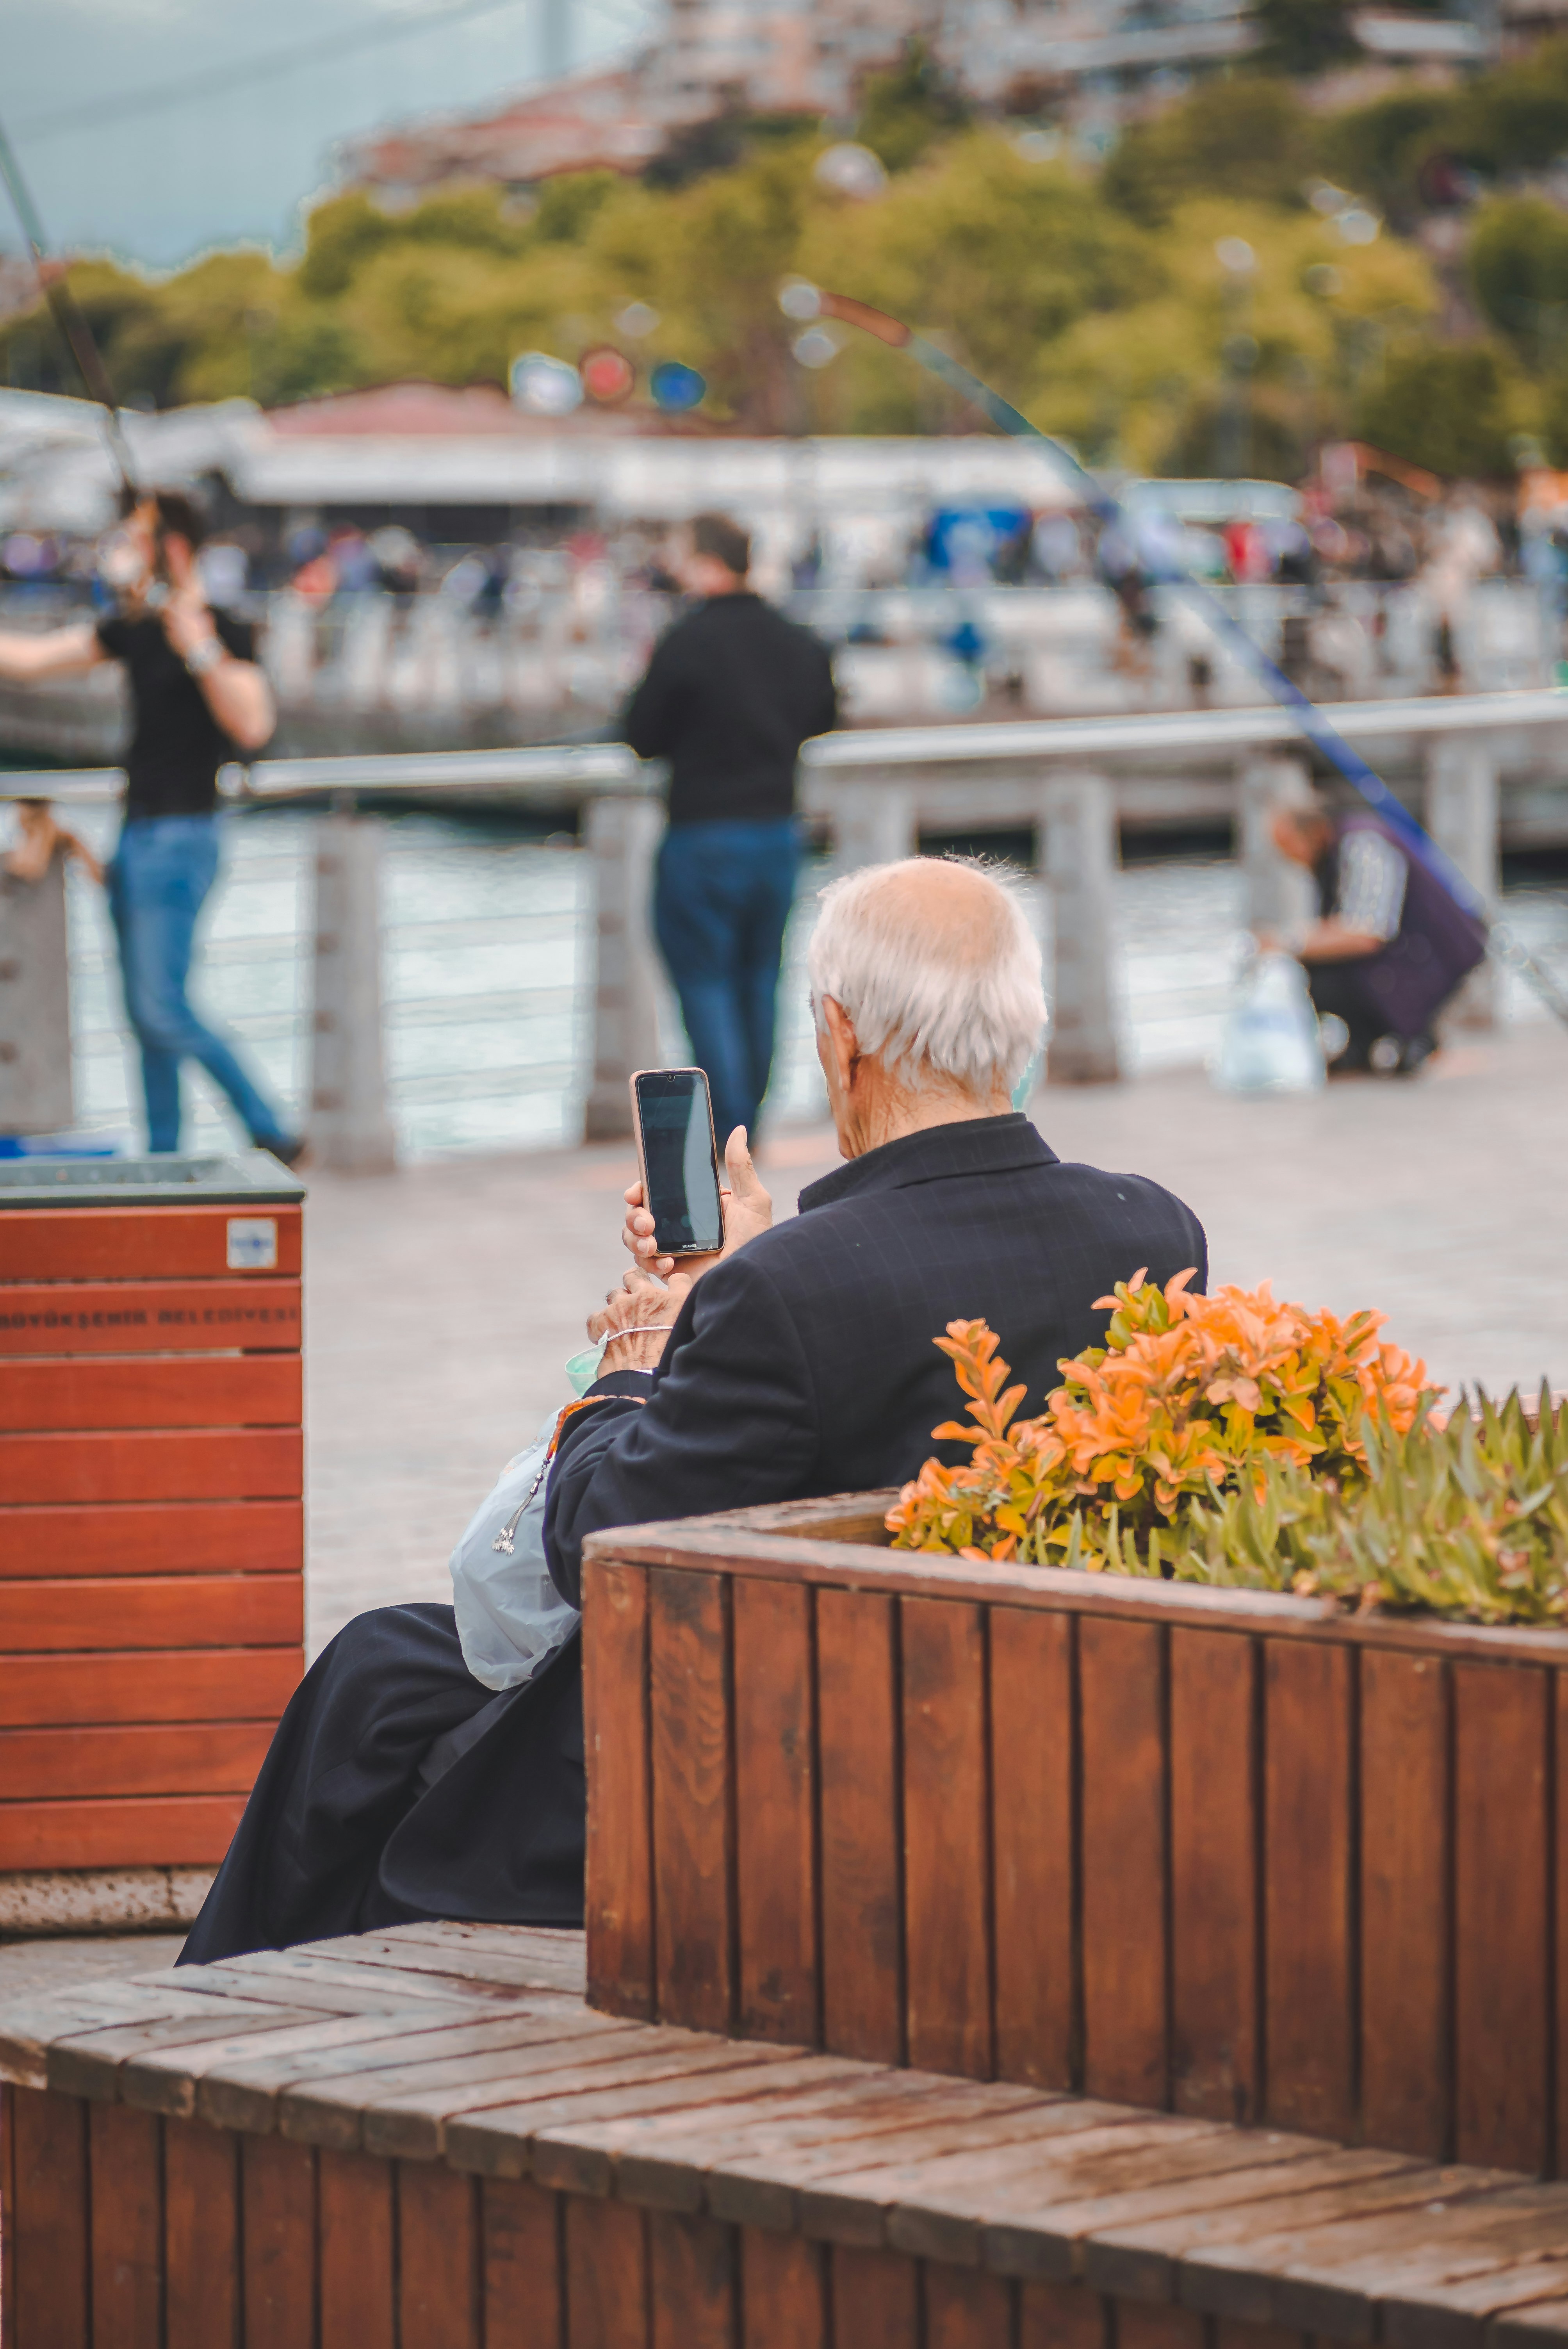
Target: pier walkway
441,1302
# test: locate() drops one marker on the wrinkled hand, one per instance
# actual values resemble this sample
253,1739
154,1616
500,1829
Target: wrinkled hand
748,1210
632,1344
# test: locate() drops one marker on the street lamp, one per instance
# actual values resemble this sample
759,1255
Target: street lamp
1233,437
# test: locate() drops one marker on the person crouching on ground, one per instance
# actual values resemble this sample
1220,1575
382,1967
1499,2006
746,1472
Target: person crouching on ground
798,1360
1390,945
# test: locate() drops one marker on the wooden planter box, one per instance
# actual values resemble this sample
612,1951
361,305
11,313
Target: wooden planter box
151,1535
1220,1853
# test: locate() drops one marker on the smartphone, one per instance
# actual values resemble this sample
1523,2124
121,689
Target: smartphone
673,1120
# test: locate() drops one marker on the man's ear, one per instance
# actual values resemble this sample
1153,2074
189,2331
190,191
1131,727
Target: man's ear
842,1041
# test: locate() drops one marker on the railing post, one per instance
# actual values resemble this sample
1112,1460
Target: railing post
1279,895
349,1128
1462,811
1079,858
36,1092
873,823
623,837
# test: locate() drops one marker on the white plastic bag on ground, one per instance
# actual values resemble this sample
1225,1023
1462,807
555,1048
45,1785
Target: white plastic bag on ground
511,1618
1270,1043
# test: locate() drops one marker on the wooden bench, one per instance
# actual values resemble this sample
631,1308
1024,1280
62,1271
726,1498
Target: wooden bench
1231,1855
152,1533
426,2137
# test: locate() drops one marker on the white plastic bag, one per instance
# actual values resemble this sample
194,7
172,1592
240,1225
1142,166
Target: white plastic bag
1270,1043
511,1618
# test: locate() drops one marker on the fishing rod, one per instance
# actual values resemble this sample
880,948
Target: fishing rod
805,301
67,314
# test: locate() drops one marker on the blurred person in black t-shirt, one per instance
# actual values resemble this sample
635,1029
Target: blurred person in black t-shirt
198,700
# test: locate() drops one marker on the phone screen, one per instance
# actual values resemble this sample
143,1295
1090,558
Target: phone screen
678,1156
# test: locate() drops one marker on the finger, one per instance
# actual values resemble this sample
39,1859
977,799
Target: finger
744,1178
633,1194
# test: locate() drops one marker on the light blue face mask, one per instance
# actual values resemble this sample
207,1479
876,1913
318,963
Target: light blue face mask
583,1368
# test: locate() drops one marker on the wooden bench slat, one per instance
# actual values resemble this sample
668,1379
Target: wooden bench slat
120,1243
1243,2278
278,2279
109,1831
30,2026
88,1617
325,1995
500,2143
1135,2252
1345,2269
591,2072
243,2092
167,2079
225,1391
707,2168
620,1895
1055,2204
1522,2329
979,2179
90,2066
149,1758
378,1981
150,1317
679,2159
154,1537
654,2079
432,2076
152,1464
502,1966
232,1683
126,2227
861,1857
556,1953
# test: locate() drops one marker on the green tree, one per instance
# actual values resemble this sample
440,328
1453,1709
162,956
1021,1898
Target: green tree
904,113
1450,408
1247,137
1378,150
1518,260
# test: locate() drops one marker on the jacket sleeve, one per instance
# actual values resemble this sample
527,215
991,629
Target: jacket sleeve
653,715
730,1420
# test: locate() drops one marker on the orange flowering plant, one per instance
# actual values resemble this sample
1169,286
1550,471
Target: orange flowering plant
1191,1397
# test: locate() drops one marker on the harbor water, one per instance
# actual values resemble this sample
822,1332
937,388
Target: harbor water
488,973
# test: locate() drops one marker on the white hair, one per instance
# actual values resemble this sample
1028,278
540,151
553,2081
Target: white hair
955,998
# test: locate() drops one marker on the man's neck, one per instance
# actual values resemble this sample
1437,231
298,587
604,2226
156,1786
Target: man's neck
892,1116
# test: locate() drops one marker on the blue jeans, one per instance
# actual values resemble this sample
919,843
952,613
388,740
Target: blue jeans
721,899
162,871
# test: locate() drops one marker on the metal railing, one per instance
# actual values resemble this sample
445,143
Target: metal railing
549,996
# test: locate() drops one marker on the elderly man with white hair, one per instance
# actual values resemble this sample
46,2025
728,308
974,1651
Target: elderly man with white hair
797,1360
800,1360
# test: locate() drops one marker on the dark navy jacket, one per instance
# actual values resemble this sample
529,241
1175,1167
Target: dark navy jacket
806,1364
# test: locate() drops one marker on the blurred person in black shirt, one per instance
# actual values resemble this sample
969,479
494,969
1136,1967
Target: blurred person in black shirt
198,700
731,692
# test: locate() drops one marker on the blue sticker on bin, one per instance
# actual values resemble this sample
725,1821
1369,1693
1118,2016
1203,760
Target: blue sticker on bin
252,1243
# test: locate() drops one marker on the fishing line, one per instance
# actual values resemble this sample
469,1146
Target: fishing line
66,313
1162,571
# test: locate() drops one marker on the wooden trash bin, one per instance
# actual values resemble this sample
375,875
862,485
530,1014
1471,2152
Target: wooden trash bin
152,1483
1229,1854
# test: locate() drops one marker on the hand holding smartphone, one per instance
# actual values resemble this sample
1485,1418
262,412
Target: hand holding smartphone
677,1158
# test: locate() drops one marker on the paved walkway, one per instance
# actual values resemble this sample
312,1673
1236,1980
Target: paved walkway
442,1302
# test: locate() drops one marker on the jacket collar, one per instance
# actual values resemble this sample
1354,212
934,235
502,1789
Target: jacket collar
978,1145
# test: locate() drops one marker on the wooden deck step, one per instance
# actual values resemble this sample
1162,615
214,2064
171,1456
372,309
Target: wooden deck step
424,2136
